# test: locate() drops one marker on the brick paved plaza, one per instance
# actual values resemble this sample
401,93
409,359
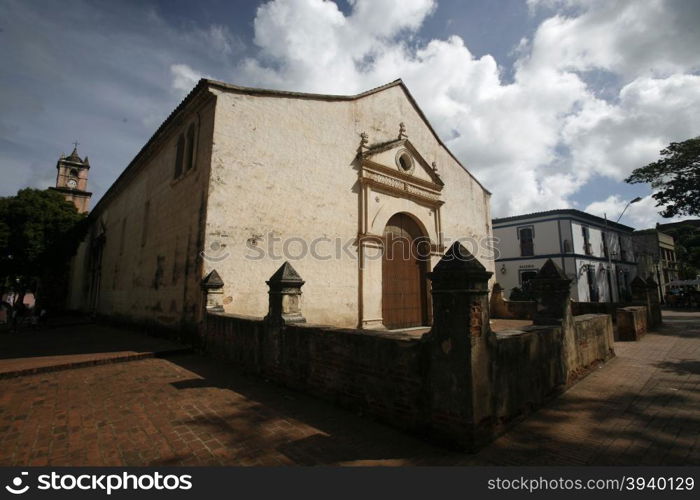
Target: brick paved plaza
643,407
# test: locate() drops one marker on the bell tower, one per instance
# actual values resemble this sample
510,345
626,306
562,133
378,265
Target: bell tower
71,179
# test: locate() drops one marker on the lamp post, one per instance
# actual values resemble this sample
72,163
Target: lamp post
608,246
638,198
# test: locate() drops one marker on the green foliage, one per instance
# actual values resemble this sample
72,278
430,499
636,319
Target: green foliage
524,294
39,232
675,177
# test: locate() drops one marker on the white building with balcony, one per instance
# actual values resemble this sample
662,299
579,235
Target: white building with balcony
597,254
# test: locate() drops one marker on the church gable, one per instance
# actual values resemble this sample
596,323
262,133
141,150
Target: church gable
398,168
401,156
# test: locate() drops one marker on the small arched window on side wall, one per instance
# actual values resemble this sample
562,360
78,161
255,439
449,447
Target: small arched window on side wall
179,156
189,158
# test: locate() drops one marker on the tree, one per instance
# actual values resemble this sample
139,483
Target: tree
676,177
39,232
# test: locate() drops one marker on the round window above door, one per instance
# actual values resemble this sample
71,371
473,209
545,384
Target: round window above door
405,161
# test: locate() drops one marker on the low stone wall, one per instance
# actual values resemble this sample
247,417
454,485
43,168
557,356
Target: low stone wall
589,343
529,369
581,308
460,384
631,323
513,309
534,363
379,373
501,308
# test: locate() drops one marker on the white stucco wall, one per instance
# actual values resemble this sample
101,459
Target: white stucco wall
545,239
152,278
285,168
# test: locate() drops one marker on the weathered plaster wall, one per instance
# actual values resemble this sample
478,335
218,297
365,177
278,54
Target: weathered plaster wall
631,323
588,343
284,169
150,268
527,369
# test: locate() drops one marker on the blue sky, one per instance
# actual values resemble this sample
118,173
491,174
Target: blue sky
550,103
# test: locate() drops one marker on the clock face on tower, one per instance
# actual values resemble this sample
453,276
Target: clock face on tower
72,183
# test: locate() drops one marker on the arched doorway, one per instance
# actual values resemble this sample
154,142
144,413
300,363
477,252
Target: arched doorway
404,267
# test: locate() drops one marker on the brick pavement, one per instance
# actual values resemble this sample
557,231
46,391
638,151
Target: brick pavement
641,408
63,347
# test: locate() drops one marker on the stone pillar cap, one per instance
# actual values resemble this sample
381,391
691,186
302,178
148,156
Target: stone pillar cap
212,281
550,270
286,275
458,259
638,282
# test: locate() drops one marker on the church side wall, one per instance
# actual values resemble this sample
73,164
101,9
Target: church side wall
284,186
151,268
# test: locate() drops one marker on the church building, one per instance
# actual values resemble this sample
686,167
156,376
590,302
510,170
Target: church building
239,180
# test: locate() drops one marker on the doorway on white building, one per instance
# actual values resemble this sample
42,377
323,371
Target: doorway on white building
404,268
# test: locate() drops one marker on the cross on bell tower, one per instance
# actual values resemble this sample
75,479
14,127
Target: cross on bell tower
71,178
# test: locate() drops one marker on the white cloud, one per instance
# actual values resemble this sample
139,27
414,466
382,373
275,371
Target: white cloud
597,90
631,38
534,142
612,140
640,215
184,77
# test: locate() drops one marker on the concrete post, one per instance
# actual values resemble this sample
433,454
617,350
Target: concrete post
213,287
497,305
639,289
552,289
640,297
654,303
285,296
460,385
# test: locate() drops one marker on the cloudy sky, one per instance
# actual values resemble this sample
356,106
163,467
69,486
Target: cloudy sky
550,103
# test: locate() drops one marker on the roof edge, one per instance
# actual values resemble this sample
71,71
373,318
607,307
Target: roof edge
207,83
562,211
337,97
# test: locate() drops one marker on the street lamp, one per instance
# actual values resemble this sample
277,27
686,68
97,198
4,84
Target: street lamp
628,204
608,245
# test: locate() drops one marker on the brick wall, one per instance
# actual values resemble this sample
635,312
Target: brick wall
379,373
529,369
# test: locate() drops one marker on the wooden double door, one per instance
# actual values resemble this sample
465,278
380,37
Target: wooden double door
404,268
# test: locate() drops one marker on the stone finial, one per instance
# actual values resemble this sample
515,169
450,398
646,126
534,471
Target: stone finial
285,295
402,131
638,282
552,289
550,270
213,287
435,168
639,289
212,281
458,268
